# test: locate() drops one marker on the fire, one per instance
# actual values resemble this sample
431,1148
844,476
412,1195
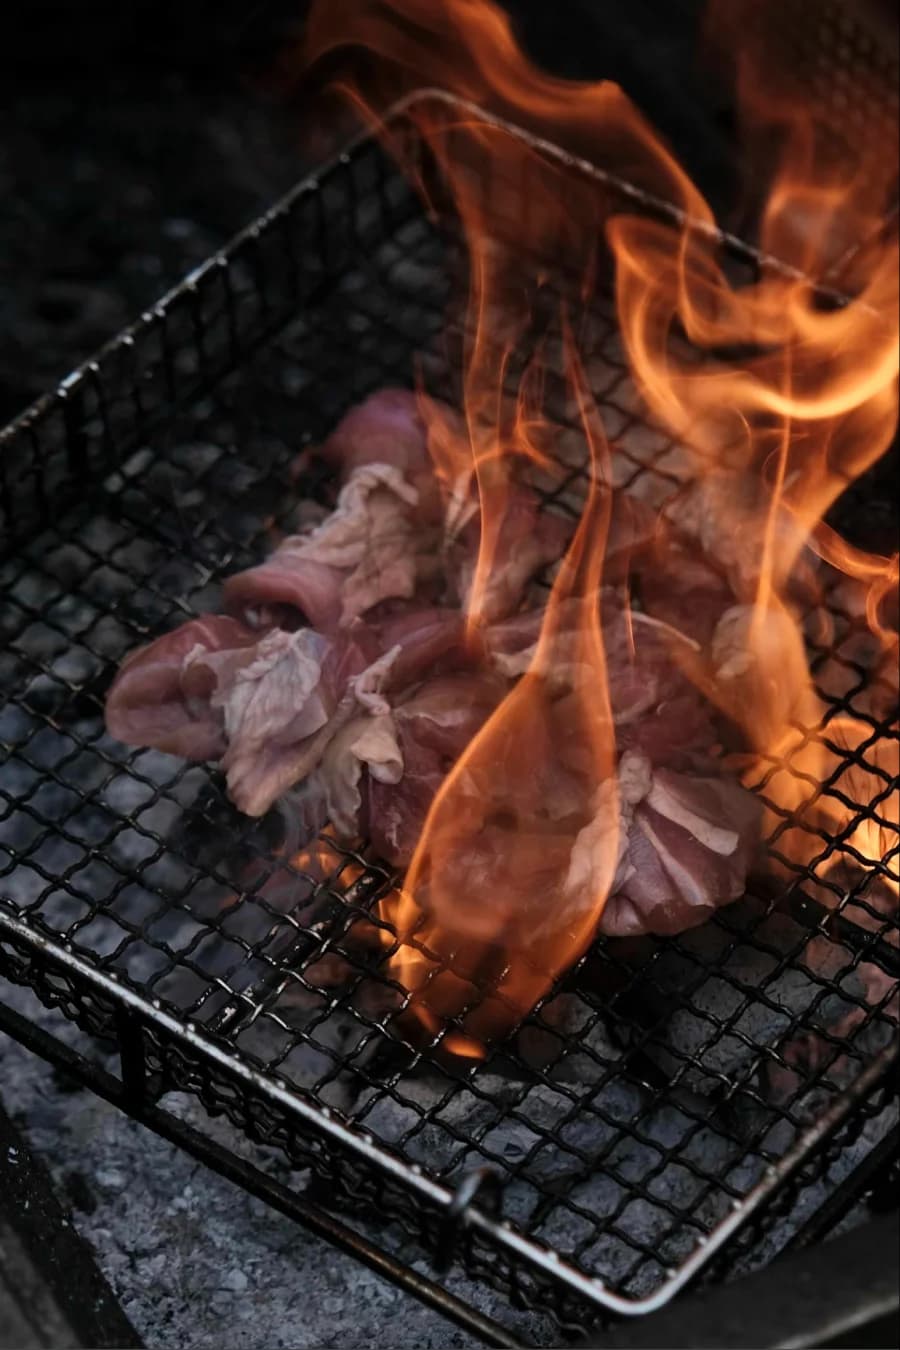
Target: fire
847,765
320,859
764,383
810,405
499,837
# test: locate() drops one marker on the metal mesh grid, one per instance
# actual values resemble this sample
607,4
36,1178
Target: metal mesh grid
842,56
643,1103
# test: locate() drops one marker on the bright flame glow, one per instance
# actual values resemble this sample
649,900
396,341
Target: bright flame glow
797,396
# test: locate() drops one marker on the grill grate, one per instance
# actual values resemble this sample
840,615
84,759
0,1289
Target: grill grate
652,1104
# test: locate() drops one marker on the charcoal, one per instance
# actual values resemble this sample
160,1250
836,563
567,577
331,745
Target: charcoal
721,999
570,1041
314,1046
614,1164
813,1065
629,1122
188,1253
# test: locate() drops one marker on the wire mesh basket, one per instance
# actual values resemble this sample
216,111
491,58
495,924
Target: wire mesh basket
600,1159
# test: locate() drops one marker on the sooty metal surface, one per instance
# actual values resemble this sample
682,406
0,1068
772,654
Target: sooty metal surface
651,1106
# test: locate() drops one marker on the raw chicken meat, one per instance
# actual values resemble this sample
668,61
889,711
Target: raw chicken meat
682,589
433,726
347,679
371,548
282,709
656,708
366,744
151,703
428,640
265,706
528,540
386,428
720,511
687,845
531,538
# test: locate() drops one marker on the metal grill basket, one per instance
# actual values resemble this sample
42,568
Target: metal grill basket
603,1169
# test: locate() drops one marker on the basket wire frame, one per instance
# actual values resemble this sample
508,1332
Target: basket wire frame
623,1155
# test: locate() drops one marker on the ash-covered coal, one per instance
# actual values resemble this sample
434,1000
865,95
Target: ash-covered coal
128,855
623,1180
712,1007
103,856
197,1261
318,1040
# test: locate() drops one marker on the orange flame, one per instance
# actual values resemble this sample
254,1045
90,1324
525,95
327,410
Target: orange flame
760,382
808,407
499,837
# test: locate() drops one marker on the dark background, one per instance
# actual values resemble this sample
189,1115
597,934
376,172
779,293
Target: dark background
137,137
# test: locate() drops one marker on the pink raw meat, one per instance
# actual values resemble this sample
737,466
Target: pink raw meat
656,708
370,549
430,640
688,843
268,705
434,726
358,718
682,589
265,705
530,538
151,704
632,534
386,428
283,706
286,589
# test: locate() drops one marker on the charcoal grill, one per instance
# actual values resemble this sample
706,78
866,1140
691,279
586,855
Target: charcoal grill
596,1176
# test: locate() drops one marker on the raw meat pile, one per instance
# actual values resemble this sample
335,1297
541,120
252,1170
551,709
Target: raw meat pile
339,679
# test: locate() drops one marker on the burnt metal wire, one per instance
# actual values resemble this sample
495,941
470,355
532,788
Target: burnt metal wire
653,1105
